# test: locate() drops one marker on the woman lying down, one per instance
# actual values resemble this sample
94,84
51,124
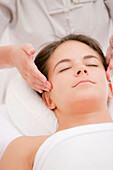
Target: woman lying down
76,68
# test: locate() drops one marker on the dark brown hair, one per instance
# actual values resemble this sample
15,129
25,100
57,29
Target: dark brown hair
43,56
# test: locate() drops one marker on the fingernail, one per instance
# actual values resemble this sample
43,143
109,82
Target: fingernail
108,75
46,89
110,66
48,85
31,51
40,91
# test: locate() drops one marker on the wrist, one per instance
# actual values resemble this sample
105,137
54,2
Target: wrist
12,55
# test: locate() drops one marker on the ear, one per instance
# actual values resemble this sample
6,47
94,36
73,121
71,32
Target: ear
110,91
48,101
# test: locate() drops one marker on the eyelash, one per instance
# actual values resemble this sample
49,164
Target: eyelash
94,65
64,69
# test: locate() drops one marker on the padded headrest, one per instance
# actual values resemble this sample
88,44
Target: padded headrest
28,111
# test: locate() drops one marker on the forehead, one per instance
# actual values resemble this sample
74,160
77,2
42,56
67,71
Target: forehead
72,50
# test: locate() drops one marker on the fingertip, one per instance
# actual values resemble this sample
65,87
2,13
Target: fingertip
108,78
40,91
108,75
110,66
49,84
31,51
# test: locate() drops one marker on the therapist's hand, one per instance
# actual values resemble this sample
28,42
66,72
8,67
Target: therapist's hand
109,58
22,57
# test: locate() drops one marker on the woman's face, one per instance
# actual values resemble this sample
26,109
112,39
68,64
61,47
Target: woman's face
77,75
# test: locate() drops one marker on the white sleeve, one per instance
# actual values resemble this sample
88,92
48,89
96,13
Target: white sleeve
7,10
109,5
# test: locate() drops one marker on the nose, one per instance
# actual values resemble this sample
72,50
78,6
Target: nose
81,71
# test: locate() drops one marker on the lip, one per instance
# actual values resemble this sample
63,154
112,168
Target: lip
84,81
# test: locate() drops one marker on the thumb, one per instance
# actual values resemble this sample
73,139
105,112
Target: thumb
28,48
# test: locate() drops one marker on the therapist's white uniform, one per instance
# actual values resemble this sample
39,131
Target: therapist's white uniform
39,21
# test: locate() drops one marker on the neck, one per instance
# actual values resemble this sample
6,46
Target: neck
72,120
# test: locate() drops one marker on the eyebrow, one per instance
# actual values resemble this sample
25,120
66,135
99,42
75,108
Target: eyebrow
69,60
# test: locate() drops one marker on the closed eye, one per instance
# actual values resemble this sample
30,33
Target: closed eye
93,65
65,69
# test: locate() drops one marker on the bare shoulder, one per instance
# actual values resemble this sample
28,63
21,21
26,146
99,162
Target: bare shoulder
38,141
21,152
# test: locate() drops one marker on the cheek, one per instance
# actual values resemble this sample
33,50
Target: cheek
102,78
102,83
62,84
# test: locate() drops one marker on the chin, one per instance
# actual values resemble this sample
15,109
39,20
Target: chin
87,96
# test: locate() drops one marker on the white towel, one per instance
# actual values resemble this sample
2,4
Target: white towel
88,147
